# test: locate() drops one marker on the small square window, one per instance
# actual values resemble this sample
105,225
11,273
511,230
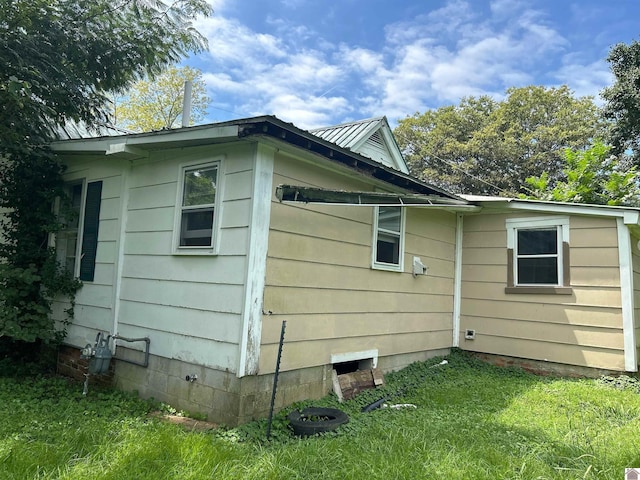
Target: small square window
197,209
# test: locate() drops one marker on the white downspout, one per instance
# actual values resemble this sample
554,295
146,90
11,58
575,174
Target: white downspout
117,283
626,291
457,280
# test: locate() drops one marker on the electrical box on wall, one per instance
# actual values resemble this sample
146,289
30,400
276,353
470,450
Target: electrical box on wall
419,268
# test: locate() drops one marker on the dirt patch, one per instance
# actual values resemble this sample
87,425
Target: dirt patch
190,424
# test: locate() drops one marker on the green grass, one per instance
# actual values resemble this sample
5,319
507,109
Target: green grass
472,421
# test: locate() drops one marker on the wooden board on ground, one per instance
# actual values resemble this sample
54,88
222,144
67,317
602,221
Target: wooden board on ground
348,385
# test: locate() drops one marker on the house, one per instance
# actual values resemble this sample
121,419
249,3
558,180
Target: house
204,239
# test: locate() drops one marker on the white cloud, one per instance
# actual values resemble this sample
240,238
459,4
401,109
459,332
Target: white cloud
308,111
366,61
503,9
474,57
230,41
293,71
585,79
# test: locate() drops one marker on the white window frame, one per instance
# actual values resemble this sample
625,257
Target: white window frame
538,223
198,249
375,264
61,235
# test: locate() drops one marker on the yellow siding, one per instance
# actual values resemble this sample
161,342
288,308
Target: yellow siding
319,279
584,328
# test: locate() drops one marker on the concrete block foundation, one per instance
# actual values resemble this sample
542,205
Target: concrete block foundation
540,367
223,397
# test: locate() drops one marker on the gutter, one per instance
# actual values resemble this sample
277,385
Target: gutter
304,194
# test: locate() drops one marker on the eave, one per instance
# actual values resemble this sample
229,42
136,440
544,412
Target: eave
630,215
265,128
274,128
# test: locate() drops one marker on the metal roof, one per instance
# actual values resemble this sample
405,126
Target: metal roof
268,126
76,130
349,135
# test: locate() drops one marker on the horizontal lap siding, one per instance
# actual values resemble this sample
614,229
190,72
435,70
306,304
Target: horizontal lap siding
319,279
584,328
93,311
189,305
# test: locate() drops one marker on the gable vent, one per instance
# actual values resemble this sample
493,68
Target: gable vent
376,140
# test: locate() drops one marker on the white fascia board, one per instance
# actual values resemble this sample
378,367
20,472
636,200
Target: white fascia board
630,216
89,146
185,135
627,294
136,142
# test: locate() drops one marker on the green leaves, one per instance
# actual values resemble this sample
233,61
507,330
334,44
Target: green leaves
590,176
71,52
59,58
154,104
622,107
483,146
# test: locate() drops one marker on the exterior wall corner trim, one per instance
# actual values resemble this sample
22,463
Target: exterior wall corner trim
626,292
256,261
457,280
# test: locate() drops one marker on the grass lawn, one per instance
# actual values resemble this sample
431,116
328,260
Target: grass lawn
472,421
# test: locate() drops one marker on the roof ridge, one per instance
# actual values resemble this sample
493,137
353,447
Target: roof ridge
355,122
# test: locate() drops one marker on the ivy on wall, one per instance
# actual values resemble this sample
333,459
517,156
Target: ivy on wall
30,276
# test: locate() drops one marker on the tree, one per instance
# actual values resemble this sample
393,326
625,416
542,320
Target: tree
592,176
59,59
622,107
484,146
156,104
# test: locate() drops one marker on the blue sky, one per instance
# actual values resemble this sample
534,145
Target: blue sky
317,63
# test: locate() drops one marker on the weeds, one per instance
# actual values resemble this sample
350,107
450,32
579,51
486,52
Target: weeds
472,421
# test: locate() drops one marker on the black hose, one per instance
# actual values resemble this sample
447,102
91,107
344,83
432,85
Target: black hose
374,405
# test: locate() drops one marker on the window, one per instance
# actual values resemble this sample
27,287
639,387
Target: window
196,222
77,242
67,238
388,238
538,253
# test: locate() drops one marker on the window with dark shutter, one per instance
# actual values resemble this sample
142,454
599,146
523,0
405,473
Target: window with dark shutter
90,231
538,255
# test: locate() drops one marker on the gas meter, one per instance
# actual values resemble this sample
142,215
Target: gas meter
99,354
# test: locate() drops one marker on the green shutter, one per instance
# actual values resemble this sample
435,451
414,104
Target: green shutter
90,231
